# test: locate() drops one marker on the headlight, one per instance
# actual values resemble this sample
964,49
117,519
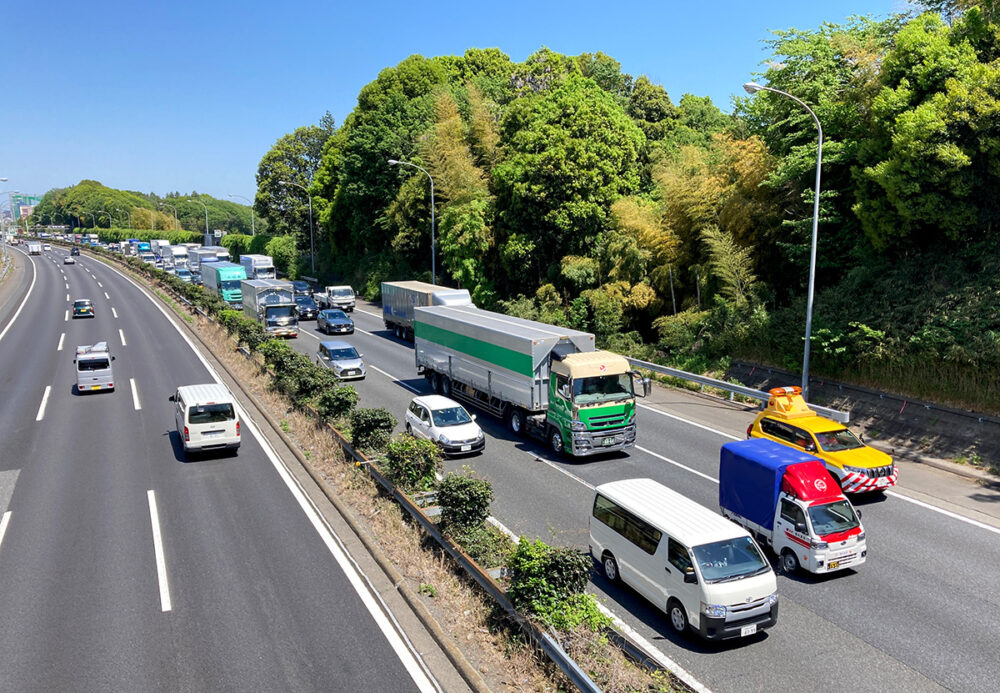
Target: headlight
772,599
713,610
856,470
481,435
861,537
577,426
444,440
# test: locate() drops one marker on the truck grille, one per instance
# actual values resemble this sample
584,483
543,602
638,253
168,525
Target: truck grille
614,421
879,472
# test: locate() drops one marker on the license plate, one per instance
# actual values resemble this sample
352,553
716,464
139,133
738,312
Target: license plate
748,630
95,387
211,434
834,565
466,447
608,441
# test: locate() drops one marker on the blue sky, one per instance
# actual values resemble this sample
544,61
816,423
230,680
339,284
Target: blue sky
164,96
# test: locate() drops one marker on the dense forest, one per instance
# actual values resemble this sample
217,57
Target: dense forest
569,191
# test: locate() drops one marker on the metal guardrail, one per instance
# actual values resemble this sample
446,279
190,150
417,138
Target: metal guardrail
843,417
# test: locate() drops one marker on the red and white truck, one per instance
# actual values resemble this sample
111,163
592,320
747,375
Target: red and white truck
787,500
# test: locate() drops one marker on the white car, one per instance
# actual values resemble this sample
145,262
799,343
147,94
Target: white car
445,422
68,260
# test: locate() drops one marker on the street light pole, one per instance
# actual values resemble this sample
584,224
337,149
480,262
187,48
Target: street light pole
206,212
253,231
312,248
110,219
751,88
164,204
118,209
394,162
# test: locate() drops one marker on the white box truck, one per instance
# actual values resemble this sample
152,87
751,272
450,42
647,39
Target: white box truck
400,298
258,266
272,303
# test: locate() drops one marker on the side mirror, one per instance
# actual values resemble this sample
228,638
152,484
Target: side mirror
473,417
113,358
361,356
859,513
800,527
810,447
172,398
690,577
647,387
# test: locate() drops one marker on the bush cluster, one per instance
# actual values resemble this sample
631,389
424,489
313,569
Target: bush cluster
412,463
371,429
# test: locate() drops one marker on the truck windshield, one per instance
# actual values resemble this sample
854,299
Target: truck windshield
832,441
602,388
343,293
280,311
230,284
731,559
830,518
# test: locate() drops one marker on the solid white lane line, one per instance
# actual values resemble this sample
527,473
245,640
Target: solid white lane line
677,464
161,564
3,525
45,400
135,395
106,295
62,337
66,319
122,335
34,272
114,312
947,513
401,645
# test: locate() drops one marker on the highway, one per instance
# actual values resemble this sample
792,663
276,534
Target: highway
125,566
917,616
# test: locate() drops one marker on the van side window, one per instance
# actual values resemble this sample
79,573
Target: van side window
776,429
679,557
801,438
636,530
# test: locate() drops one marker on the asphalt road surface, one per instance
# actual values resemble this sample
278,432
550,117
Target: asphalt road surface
918,616
126,566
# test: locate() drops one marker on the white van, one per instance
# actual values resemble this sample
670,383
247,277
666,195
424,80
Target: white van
206,418
704,571
93,368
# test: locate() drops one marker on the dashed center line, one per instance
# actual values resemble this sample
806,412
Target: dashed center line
67,297
114,312
62,338
121,334
135,395
45,400
66,319
67,286
3,525
100,285
105,295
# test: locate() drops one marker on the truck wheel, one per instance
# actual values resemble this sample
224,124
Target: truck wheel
445,386
789,562
516,420
556,440
678,616
610,567
435,380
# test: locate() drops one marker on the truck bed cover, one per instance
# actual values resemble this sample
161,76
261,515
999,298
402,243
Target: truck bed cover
750,475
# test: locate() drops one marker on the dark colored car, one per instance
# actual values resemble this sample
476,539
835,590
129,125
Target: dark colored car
301,288
196,278
307,307
74,251
334,321
83,308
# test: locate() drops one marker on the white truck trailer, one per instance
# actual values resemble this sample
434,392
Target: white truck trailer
400,298
545,380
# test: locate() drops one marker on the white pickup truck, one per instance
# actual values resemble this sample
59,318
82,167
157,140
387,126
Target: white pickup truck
336,297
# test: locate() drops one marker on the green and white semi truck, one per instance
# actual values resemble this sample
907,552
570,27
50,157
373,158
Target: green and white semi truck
544,380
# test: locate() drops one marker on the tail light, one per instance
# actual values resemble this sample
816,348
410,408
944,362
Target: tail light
187,436
237,429
749,428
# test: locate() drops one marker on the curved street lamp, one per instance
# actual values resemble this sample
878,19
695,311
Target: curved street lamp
253,232
191,199
394,162
118,209
752,88
164,204
110,218
312,250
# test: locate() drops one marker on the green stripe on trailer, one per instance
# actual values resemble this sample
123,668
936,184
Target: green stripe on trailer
476,348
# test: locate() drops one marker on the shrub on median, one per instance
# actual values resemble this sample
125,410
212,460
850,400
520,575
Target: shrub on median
371,429
411,463
464,500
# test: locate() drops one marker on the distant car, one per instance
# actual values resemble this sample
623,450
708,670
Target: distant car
334,321
74,251
307,307
445,422
185,275
83,308
46,247
169,269
343,359
206,417
68,260
196,279
301,288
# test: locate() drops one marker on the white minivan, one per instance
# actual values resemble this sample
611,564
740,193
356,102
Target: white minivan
704,571
206,418
93,368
